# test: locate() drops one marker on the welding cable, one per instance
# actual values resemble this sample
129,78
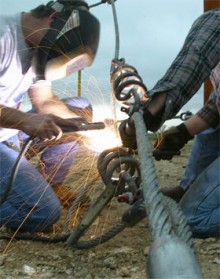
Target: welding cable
15,170
117,37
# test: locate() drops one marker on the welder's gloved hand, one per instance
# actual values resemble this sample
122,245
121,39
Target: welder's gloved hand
127,134
170,142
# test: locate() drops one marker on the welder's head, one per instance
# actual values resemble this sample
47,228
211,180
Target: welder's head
71,42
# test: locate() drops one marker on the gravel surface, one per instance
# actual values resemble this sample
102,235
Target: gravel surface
123,256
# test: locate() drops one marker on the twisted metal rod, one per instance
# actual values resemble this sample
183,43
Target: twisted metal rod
180,225
165,216
171,235
159,217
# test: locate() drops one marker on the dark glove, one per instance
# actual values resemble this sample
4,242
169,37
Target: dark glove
152,122
127,134
170,142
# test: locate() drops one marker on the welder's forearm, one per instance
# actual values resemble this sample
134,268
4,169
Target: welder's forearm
12,118
44,100
55,106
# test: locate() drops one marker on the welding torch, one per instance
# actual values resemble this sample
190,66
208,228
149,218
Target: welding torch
84,126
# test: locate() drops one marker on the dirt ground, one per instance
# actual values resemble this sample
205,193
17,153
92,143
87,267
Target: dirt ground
123,256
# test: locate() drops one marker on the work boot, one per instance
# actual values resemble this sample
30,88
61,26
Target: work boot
65,194
175,193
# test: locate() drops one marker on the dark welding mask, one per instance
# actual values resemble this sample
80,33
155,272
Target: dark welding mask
71,43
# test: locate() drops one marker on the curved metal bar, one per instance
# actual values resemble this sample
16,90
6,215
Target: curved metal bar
96,208
92,213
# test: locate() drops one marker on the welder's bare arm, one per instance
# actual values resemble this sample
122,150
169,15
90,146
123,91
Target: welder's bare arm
44,101
47,123
43,126
12,118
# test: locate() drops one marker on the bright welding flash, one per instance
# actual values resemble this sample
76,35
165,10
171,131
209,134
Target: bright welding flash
99,140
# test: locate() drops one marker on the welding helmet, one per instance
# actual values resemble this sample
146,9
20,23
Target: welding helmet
71,42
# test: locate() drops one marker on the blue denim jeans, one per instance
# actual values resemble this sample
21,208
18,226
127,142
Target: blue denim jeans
201,202
32,205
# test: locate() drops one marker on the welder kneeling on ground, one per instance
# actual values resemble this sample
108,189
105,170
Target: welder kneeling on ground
49,42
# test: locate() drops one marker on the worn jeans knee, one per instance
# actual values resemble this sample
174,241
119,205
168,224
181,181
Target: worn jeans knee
204,151
201,202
